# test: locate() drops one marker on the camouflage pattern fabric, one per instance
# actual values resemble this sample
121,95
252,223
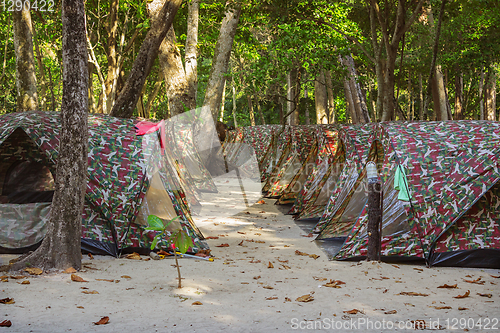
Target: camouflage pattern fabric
117,175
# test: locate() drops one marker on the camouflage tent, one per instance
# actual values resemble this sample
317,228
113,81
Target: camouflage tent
451,216
321,154
299,140
128,179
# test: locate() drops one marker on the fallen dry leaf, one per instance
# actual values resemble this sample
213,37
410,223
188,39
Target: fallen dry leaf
33,270
441,307
270,265
485,295
395,266
271,298
76,278
259,241
314,256
305,298
223,245
80,307
254,261
125,277
267,287
297,252
212,237
495,276
240,243
241,232
448,286
90,256
353,311
462,309
197,303
248,213
7,301
334,284
16,277
107,280
90,292
6,323
464,295
286,267
283,261
24,282
411,293
476,281
69,270
308,235
418,269
133,256
102,321
391,312
256,277
287,299
261,202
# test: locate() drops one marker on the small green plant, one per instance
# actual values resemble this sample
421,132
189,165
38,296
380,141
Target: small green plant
178,240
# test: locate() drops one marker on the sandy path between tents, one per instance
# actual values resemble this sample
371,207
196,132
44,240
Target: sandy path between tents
240,293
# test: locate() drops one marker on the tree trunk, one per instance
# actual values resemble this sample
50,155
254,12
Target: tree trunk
349,102
250,110
222,104
292,109
25,62
127,100
43,83
320,98
306,111
259,110
181,96
331,99
234,103
439,95
220,62
192,46
481,95
490,97
459,94
61,247
357,95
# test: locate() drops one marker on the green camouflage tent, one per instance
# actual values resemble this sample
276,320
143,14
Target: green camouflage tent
451,217
128,179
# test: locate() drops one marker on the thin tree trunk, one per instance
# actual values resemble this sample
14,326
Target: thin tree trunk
320,98
459,94
420,98
292,107
222,53
25,62
192,45
349,102
306,111
113,65
250,110
357,95
153,95
127,99
481,95
490,97
43,83
221,118
331,99
234,103
61,247
259,110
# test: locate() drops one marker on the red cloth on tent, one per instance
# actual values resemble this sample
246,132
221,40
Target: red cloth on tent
146,127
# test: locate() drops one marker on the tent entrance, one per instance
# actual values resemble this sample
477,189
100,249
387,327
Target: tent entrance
26,191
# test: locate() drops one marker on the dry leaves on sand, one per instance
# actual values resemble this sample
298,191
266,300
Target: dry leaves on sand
448,286
7,301
305,298
24,282
353,311
391,312
70,270
102,321
223,245
441,307
33,270
270,265
485,295
134,256
271,298
261,202
411,293
299,253
197,303
90,292
334,284
107,280
6,323
476,281
212,237
76,278
495,276
464,295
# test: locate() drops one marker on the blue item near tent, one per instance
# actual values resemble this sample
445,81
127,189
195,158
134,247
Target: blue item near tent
401,184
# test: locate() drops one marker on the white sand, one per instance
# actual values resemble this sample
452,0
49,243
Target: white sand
235,300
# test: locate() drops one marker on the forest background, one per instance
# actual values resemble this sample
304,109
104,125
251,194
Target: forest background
266,61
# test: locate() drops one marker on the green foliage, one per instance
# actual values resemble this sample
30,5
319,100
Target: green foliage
178,239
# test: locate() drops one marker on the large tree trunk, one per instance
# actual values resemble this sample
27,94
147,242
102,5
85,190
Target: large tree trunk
349,102
481,95
129,95
490,97
331,99
357,94
439,95
220,62
61,247
320,99
25,62
181,95
191,57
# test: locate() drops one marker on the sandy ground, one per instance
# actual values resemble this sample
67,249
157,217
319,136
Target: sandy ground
239,292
